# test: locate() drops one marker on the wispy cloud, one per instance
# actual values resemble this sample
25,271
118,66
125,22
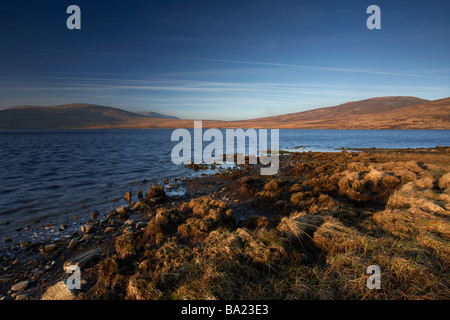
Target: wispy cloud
337,69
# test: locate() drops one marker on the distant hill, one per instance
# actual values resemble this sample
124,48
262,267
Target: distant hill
152,114
66,117
375,113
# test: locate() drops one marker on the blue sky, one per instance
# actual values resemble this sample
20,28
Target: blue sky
222,59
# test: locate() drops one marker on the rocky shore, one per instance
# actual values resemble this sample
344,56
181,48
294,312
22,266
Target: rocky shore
309,232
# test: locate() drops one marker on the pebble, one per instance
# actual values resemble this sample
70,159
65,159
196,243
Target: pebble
141,225
72,244
128,222
23,296
6,239
95,214
127,197
50,247
110,229
87,228
20,286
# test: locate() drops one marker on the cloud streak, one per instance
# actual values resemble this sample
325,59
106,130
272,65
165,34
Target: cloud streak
296,66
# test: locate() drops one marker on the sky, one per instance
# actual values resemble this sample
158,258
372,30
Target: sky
224,59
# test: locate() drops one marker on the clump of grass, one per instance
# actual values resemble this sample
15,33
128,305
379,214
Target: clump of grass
141,287
109,279
255,222
444,181
125,246
333,237
272,185
266,198
357,210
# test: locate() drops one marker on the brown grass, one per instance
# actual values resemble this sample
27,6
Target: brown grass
342,213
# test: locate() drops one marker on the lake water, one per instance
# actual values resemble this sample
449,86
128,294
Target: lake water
52,175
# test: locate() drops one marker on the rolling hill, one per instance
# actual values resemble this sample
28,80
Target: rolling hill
68,116
376,113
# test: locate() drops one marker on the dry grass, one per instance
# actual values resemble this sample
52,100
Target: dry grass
342,213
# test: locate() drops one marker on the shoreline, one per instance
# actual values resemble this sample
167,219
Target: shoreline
241,204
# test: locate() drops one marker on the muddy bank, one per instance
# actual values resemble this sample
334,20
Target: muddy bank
309,232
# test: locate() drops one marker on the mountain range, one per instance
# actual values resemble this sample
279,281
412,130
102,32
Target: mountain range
376,113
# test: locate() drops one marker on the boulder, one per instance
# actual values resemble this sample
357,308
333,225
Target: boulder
59,292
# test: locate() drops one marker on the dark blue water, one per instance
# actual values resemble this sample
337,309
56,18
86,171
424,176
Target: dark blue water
52,175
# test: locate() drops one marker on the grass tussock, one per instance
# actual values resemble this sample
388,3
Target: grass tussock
341,214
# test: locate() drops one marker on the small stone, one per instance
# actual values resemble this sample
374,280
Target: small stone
24,243
50,247
140,206
141,225
23,296
110,229
72,244
6,239
128,222
87,228
95,214
140,195
127,197
87,237
20,286
122,210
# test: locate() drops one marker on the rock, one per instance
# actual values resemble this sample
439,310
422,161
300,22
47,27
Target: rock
50,247
140,206
20,286
23,296
141,225
87,229
140,195
87,237
110,229
95,214
127,197
24,243
128,222
128,231
59,292
6,239
155,193
86,259
72,244
122,210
